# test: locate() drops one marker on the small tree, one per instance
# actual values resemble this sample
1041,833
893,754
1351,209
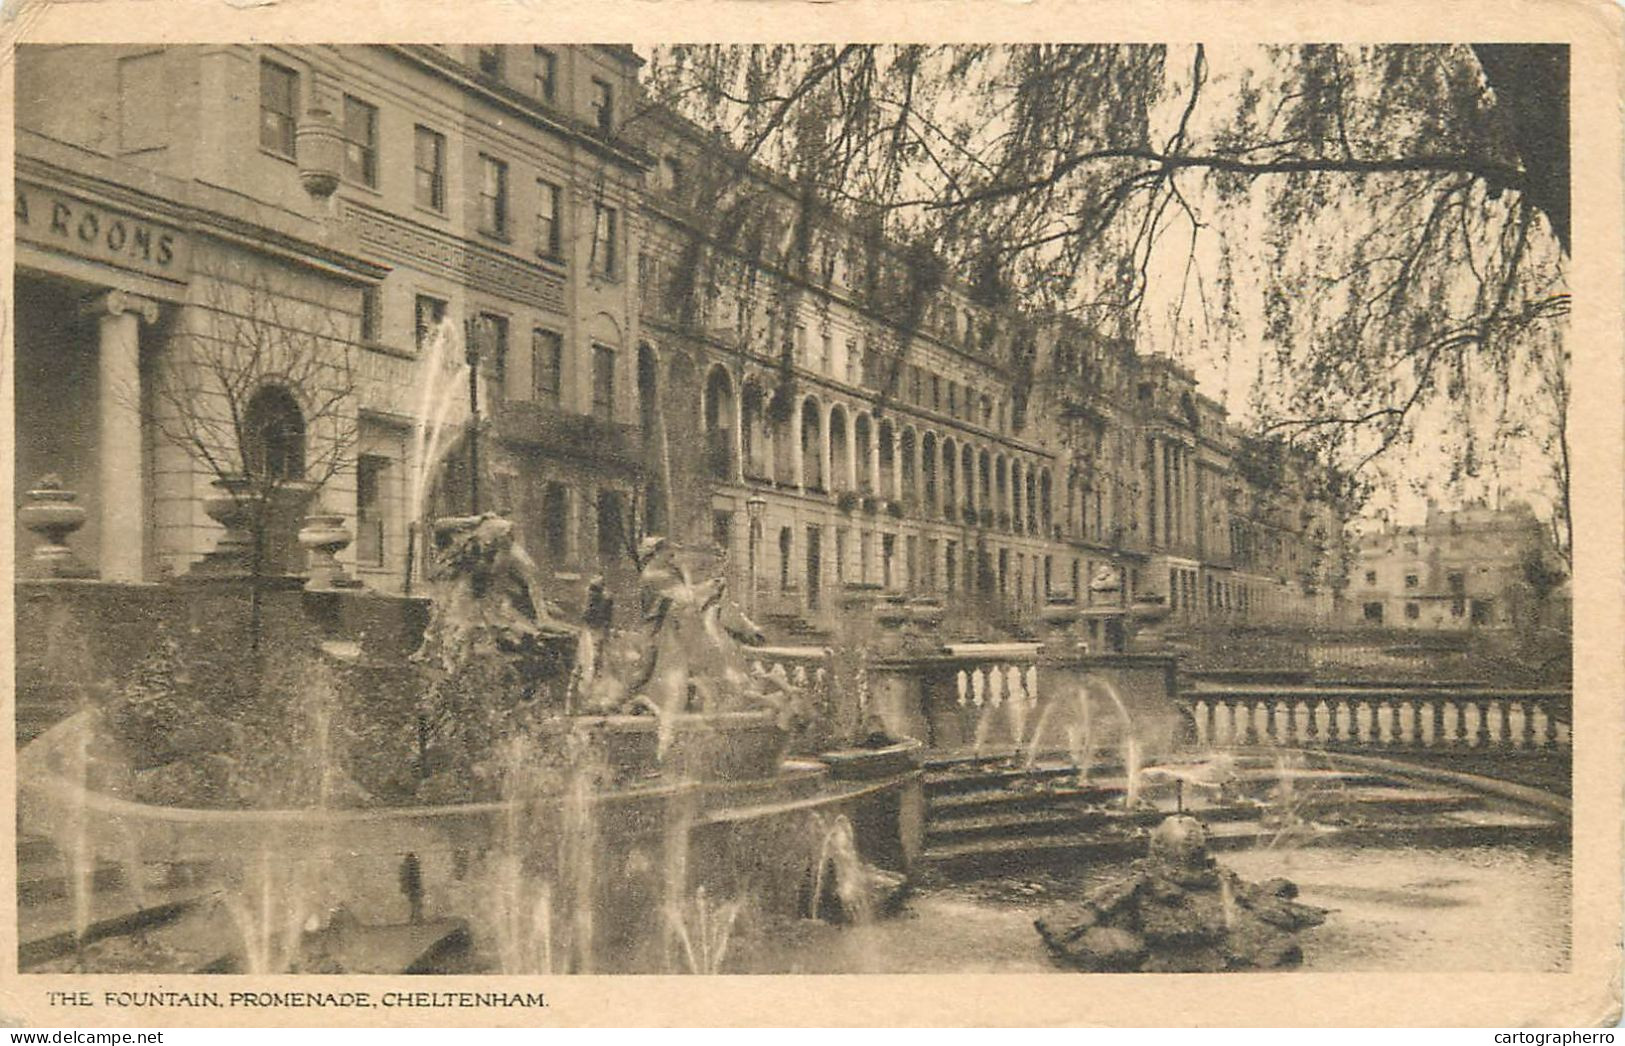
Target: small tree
262,393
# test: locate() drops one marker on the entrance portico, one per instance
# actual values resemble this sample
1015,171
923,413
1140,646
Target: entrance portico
79,411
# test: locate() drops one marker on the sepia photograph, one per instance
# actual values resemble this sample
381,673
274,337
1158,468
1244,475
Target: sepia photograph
540,508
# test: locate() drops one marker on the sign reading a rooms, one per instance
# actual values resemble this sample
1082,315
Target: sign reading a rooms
66,223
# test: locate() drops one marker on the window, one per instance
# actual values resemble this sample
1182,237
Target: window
722,530
603,383
610,533
275,431
490,61
556,518
1412,611
801,344
548,197
603,105
1412,581
430,313
360,142
1371,577
429,163
828,352
493,196
370,510
603,240
493,334
547,75
370,319
279,100
546,365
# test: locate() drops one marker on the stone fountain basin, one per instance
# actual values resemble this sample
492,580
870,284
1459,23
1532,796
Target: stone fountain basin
737,750
723,746
864,764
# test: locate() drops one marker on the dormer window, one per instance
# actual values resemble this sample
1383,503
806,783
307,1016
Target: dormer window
603,105
489,61
547,75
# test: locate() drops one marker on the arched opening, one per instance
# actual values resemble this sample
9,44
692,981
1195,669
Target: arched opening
984,481
719,424
1018,513
840,473
1032,501
950,479
863,440
928,466
967,468
753,430
648,391
888,458
274,435
812,446
1046,517
1001,490
905,467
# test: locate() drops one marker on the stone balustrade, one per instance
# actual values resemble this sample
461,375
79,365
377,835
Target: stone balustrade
1527,721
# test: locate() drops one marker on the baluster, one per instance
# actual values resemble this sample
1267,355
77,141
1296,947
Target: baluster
1334,729
1435,723
1549,732
961,684
1363,716
1503,724
1526,727
1311,729
1272,722
1200,711
1224,723
1483,735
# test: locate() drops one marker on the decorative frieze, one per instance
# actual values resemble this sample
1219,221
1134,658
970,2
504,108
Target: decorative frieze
430,251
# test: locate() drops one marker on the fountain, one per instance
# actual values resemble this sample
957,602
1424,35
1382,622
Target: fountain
1177,911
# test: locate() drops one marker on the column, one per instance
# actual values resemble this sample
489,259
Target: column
851,453
873,464
1193,505
797,439
738,436
119,459
1159,512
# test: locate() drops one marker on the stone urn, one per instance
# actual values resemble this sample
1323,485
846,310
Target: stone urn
319,149
237,506
323,537
52,514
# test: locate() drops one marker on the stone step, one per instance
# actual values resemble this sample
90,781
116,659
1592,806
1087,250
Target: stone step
47,879
45,931
1013,855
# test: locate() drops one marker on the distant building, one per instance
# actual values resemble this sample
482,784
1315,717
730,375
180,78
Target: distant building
838,451
1461,569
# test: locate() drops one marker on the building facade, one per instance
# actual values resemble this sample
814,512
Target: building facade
1460,569
670,340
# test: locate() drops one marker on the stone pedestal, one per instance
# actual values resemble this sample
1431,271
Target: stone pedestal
323,537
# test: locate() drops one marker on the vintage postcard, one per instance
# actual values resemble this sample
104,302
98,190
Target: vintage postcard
966,513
